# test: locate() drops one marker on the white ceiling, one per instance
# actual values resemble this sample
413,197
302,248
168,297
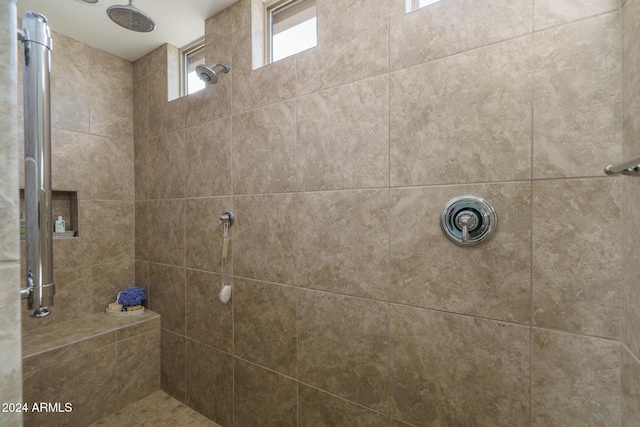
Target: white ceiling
178,22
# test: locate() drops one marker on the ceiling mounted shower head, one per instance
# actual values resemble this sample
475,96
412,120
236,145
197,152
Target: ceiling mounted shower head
131,18
208,73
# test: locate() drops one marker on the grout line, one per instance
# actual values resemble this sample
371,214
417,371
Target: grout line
620,218
298,186
633,356
397,187
531,174
388,269
405,305
586,18
298,358
230,277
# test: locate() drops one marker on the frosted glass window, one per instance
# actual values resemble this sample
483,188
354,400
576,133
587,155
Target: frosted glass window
417,4
192,60
293,27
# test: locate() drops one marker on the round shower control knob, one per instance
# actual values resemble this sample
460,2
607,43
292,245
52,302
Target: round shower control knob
468,220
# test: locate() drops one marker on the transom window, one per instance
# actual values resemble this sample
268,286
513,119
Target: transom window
291,28
191,56
417,4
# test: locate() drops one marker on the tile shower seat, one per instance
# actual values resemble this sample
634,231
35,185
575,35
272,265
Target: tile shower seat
98,363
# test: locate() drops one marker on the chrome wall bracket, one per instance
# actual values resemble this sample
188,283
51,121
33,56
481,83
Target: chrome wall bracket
468,220
227,218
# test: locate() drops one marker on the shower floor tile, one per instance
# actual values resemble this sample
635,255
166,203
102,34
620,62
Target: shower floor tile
156,410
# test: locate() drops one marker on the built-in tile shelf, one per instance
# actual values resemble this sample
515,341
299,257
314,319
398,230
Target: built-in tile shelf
63,203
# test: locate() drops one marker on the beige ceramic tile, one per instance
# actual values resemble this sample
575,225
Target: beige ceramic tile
207,366
142,231
9,207
576,380
267,85
209,321
448,27
262,397
230,20
264,150
167,232
630,79
258,34
556,12
41,355
70,300
10,369
464,118
70,338
204,234
141,170
445,370
577,98
343,136
164,116
265,238
111,172
9,164
398,423
217,27
71,163
106,281
111,89
166,163
10,231
71,84
173,376
265,329
88,382
577,256
214,101
343,347
142,279
630,383
138,373
168,296
491,279
112,231
157,409
630,293
343,242
208,159
173,73
140,93
316,408
353,42
144,325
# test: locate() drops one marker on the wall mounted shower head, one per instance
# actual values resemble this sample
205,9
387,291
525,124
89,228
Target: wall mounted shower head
208,73
131,18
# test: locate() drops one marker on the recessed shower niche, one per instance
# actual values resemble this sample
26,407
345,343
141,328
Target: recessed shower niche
64,204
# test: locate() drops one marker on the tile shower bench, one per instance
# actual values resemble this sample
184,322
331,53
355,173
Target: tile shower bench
97,363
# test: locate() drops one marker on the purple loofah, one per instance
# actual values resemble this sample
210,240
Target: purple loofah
131,296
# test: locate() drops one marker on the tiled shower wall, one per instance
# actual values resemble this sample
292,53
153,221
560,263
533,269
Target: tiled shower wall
630,337
349,303
92,153
10,356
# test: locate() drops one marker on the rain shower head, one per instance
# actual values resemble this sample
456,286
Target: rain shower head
131,18
208,73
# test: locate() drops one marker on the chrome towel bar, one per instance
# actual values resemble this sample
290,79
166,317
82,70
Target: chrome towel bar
632,167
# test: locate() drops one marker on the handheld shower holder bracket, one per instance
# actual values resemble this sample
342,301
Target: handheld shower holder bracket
227,218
